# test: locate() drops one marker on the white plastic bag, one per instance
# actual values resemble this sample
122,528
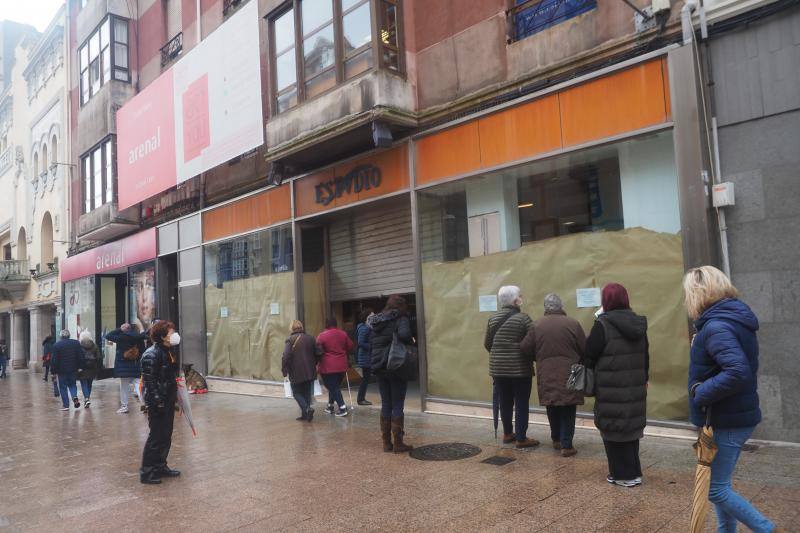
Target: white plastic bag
317,388
287,389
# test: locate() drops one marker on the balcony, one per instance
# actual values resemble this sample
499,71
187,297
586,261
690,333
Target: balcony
106,223
172,49
6,159
14,279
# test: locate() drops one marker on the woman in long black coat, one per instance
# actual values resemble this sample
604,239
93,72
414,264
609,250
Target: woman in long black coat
299,364
617,349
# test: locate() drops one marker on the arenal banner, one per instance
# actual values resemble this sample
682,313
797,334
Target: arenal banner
202,112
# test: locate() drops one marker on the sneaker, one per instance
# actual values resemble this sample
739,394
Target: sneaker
122,410
77,403
65,408
87,403
610,479
342,412
364,402
310,414
628,483
329,409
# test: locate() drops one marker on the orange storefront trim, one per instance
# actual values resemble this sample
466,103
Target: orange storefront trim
251,213
621,102
391,164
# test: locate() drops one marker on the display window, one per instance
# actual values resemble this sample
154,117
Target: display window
569,225
79,306
250,303
142,295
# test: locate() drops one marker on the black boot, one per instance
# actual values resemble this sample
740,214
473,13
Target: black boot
149,476
166,471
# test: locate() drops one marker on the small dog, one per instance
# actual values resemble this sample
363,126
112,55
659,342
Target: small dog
195,382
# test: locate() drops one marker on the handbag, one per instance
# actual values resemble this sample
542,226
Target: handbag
402,359
581,378
131,354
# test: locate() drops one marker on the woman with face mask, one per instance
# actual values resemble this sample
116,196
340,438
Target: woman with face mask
159,371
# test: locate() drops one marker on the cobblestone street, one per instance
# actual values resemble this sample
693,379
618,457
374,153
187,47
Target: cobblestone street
254,468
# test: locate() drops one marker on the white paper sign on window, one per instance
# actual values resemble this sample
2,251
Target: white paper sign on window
487,304
590,297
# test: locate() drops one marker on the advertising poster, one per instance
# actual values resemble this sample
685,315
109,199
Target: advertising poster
142,298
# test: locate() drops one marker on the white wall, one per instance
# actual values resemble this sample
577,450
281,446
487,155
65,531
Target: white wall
649,184
495,194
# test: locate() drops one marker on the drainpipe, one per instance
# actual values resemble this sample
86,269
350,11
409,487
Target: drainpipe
199,22
686,20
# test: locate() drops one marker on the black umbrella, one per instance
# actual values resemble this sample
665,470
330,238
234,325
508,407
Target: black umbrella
495,406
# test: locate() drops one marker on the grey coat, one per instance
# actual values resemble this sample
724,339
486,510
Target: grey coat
504,333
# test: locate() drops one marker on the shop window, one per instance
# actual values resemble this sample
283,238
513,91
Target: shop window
104,52
142,297
532,16
79,306
317,44
98,169
249,295
575,221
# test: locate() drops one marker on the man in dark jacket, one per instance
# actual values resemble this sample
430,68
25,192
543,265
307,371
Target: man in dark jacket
129,349
364,356
510,366
66,361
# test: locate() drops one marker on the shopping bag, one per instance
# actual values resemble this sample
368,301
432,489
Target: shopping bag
317,388
287,389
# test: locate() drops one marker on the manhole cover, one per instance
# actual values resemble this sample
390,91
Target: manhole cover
496,460
448,451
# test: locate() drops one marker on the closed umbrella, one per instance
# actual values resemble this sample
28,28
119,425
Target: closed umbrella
705,448
183,403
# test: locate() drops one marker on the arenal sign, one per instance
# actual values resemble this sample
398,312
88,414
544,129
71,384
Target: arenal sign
202,112
111,256
361,178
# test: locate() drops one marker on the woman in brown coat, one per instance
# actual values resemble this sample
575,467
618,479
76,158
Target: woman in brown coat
560,343
299,364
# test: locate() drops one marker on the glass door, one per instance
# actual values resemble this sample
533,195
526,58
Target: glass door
110,311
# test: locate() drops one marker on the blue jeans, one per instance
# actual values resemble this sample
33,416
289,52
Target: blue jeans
732,508
562,424
67,381
393,396
3,364
333,382
86,387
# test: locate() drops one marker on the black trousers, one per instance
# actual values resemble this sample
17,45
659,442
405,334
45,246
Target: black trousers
303,394
515,397
562,423
623,459
159,440
366,372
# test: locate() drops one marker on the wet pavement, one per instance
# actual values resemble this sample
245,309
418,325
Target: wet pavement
253,467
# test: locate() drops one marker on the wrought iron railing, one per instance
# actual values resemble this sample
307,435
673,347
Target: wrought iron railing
16,270
229,5
532,16
6,159
172,49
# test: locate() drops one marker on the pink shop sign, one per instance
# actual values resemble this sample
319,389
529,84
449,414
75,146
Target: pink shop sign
111,256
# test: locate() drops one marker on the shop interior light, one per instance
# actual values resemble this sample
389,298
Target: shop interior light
520,206
569,223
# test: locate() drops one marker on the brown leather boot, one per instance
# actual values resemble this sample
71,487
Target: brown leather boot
397,433
508,438
386,433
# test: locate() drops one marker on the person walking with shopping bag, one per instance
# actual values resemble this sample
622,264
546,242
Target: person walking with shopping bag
723,377
334,344
300,357
159,372
559,343
618,350
391,328
511,365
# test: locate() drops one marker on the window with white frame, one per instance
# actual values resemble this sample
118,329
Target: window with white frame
103,55
97,170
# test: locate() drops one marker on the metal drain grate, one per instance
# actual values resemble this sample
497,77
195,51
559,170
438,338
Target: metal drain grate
496,460
448,451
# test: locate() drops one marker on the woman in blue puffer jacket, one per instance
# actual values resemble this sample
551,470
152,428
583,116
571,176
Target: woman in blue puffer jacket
723,372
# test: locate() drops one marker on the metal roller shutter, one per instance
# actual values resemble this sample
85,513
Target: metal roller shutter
371,253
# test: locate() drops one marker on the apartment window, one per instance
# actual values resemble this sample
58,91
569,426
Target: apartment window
105,53
97,167
532,16
317,44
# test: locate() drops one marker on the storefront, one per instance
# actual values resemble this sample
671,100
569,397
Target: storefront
109,285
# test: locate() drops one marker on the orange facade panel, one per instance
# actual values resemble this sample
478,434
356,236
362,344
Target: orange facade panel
257,211
667,100
448,153
520,132
367,177
622,102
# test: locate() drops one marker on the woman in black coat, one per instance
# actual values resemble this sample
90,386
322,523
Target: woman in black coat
617,349
392,384
92,360
299,364
159,371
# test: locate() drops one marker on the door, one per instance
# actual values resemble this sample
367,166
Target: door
484,234
110,312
